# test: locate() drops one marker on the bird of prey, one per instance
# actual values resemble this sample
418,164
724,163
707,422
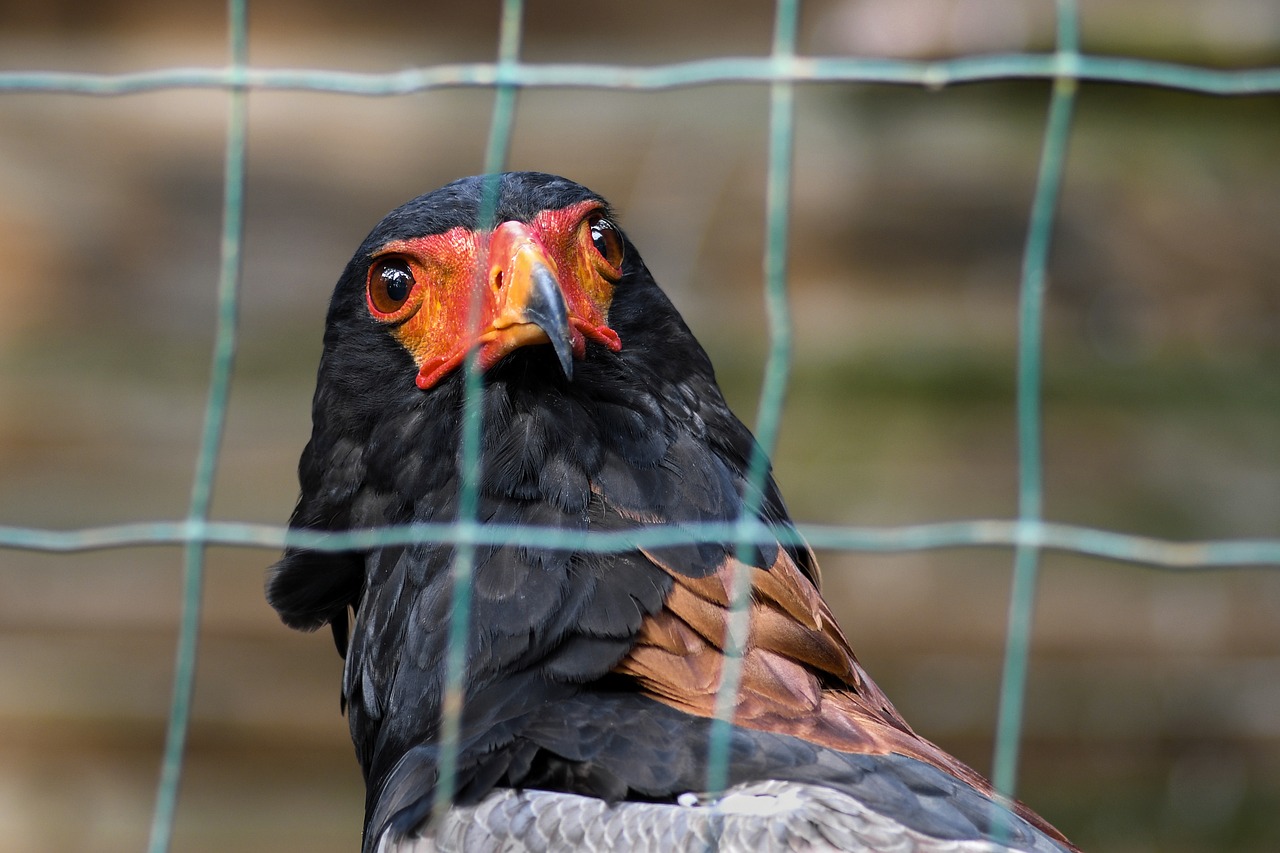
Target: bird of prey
590,678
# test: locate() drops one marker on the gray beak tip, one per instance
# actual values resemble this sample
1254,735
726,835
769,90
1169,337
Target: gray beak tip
547,309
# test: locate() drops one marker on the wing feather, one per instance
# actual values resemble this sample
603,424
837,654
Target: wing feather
799,675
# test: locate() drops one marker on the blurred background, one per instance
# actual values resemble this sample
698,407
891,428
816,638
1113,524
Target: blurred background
1153,712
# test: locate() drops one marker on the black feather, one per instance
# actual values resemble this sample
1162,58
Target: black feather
639,436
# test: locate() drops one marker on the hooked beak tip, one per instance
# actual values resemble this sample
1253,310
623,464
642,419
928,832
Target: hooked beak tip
547,310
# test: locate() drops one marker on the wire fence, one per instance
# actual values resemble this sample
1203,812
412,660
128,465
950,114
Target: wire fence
1028,535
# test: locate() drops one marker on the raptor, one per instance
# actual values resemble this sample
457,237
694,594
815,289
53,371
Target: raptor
591,677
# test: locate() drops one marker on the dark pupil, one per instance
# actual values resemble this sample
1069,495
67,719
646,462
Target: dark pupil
397,280
597,237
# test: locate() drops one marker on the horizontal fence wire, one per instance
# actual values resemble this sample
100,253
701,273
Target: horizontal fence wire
704,72
1147,551
1028,534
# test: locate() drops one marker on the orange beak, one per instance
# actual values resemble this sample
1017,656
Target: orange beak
521,302
528,303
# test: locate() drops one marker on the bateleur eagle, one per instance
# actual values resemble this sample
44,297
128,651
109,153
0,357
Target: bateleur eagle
591,678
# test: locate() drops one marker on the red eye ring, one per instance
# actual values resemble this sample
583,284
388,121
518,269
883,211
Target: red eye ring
389,285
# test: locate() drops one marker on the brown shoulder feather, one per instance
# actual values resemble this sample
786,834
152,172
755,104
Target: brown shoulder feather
799,676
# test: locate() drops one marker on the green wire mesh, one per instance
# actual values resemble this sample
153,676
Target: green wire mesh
495,157
1026,559
1028,535
210,441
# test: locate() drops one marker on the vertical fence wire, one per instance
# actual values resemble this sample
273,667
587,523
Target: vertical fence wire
772,391
1029,416
224,349
463,567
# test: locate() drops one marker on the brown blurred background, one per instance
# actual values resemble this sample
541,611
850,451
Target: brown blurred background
1153,719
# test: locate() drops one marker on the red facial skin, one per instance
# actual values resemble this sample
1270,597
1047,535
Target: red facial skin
459,269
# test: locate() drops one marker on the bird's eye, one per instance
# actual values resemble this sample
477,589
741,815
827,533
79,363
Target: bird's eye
606,239
390,283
